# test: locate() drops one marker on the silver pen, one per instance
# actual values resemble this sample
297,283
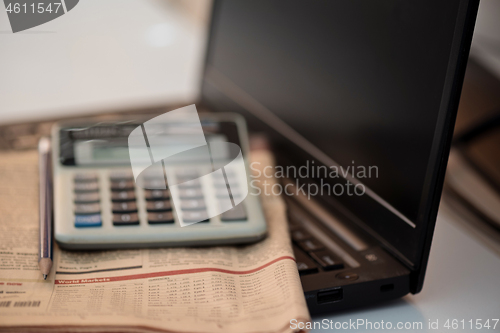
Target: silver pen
45,174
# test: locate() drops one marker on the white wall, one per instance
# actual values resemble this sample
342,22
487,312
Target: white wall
103,55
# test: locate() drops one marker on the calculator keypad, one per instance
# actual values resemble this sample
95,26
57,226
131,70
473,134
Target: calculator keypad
158,204
87,209
123,200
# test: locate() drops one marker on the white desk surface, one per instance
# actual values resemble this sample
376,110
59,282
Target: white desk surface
462,282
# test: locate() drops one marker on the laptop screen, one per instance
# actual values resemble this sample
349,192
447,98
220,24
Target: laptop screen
360,87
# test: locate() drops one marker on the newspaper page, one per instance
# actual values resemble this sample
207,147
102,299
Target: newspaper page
251,288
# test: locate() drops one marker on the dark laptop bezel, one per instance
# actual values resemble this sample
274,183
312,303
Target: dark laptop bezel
394,238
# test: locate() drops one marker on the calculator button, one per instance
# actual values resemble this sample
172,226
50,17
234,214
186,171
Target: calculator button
195,216
222,193
87,197
122,185
121,175
123,196
158,206
155,183
192,184
191,194
86,187
194,204
156,194
83,221
237,213
85,177
187,173
125,219
87,208
124,207
327,260
157,218
311,245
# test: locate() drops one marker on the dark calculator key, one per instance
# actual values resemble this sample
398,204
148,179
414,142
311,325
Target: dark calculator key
86,187
120,185
194,204
191,194
158,218
87,197
237,213
85,177
196,216
87,208
124,207
300,234
126,219
121,175
155,183
311,245
85,221
156,194
123,196
305,265
327,260
158,206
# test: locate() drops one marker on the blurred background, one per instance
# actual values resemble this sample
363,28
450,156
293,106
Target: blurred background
124,55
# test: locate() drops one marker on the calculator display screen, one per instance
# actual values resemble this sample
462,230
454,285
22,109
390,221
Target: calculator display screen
107,145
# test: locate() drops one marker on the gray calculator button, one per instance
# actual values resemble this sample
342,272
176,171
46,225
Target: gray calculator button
86,187
222,193
158,206
121,175
123,196
88,208
124,207
191,193
229,174
194,204
187,173
87,197
156,194
85,177
157,218
195,216
192,184
155,183
125,219
237,213
119,185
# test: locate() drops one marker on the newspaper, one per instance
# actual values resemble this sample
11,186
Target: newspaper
252,288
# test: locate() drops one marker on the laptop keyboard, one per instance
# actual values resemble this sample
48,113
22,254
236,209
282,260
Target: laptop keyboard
311,255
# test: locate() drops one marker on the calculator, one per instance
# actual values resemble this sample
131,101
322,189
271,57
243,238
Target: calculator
99,204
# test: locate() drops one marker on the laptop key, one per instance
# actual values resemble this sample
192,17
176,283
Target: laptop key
311,245
305,265
327,260
300,234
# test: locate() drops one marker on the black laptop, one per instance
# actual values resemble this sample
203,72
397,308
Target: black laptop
367,88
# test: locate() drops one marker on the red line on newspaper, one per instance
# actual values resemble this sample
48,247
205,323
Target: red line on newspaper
161,274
